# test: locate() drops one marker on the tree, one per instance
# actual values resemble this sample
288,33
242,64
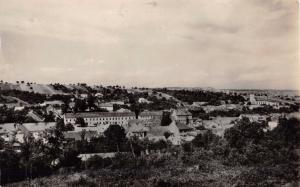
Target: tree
167,134
166,120
80,121
90,101
244,132
115,135
1,143
205,140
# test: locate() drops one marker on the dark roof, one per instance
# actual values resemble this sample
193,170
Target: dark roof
182,112
182,126
99,114
151,113
77,135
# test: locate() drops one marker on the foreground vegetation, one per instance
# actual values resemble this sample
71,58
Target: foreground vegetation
248,155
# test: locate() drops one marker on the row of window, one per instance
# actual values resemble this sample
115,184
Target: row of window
103,119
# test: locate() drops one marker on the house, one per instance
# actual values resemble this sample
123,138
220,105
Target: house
147,115
137,130
123,110
100,118
254,117
107,106
198,104
19,108
182,116
52,103
183,128
72,105
261,101
218,125
35,116
143,100
80,135
56,110
272,125
159,133
36,129
100,129
8,131
83,96
99,95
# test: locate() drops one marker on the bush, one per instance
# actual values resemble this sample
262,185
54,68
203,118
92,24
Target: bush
97,162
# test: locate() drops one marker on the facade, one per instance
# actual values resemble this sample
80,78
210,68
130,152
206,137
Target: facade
182,116
255,101
107,106
100,118
147,115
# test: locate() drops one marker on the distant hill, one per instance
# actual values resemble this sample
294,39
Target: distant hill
31,87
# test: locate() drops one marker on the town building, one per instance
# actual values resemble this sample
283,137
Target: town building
36,129
147,115
107,106
261,101
100,118
143,100
80,135
35,116
182,115
52,103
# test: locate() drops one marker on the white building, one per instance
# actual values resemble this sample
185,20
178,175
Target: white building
100,118
261,101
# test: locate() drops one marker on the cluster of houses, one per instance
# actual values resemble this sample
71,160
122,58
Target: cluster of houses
181,126
145,125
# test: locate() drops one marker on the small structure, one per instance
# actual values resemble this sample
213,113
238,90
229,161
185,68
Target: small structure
35,116
143,100
137,129
52,103
36,129
182,116
107,106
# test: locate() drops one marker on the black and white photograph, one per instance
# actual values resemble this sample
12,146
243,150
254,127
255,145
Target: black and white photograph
149,93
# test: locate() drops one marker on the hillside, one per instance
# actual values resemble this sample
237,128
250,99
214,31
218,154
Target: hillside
31,87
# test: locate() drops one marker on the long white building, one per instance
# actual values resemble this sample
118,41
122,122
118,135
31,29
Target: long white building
100,118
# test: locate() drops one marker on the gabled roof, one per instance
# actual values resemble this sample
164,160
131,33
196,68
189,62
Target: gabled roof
138,128
158,131
38,127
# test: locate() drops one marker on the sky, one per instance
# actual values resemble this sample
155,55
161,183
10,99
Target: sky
191,43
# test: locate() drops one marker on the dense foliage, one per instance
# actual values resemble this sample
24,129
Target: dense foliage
212,98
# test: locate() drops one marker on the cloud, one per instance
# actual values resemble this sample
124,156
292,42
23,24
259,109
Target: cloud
220,43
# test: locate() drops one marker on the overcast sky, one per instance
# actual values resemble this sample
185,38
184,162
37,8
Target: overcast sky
215,43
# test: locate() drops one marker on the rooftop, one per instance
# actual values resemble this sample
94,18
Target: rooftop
99,114
77,135
40,126
182,126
